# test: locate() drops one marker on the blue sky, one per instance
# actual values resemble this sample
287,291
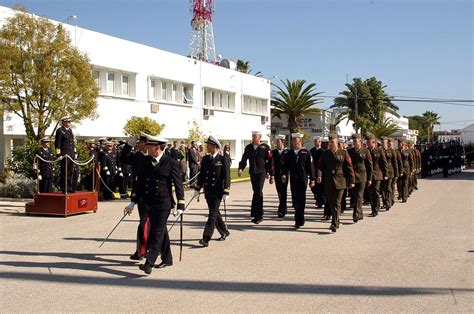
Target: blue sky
420,48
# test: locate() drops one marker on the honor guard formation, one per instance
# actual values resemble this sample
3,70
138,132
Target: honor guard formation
341,176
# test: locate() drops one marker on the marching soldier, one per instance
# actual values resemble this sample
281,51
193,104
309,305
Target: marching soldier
45,169
159,172
65,145
133,154
379,173
392,174
279,155
398,157
407,162
327,210
316,152
336,165
258,154
124,172
298,165
215,179
362,165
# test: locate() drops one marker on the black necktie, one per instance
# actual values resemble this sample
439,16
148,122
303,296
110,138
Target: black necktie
212,158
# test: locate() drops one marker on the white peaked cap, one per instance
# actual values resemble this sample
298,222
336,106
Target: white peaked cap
296,135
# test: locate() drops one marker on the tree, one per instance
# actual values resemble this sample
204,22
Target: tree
42,76
295,100
244,67
195,134
384,128
430,119
417,123
136,125
372,104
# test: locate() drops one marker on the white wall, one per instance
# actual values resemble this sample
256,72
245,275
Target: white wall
141,62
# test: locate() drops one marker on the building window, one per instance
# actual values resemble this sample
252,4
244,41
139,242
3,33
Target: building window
255,105
187,94
212,99
110,83
153,91
97,79
163,91
125,86
173,93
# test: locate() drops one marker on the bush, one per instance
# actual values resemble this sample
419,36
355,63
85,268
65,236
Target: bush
17,186
21,160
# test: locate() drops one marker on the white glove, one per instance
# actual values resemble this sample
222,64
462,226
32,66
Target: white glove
225,197
179,212
60,157
40,177
129,208
106,168
133,141
120,174
108,173
196,193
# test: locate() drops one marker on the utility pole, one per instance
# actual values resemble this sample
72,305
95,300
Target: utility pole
356,117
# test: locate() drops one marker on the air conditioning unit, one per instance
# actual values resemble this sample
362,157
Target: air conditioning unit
154,108
208,112
263,119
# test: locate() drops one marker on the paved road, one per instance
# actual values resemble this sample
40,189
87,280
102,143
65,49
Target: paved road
416,257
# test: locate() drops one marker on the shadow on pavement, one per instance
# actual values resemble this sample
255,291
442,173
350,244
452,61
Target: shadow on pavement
224,286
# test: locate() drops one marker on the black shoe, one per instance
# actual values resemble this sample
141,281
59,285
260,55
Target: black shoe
204,243
281,215
355,220
136,257
224,236
147,268
327,217
333,228
163,265
257,221
387,208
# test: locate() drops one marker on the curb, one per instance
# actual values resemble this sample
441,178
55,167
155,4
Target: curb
240,180
19,200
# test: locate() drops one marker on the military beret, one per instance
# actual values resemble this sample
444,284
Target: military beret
332,136
356,136
370,137
214,141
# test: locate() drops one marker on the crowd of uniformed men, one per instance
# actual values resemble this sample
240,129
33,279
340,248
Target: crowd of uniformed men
361,171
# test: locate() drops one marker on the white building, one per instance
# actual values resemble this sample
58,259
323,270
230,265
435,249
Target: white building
467,134
138,80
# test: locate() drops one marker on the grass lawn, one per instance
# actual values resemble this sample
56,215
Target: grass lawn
233,174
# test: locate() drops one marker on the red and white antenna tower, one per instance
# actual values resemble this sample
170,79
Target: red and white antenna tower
201,45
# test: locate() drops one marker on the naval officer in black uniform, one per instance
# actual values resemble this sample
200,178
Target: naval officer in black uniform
158,174
45,169
258,154
279,155
298,164
215,179
65,145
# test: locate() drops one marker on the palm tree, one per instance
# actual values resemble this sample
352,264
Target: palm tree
295,100
244,67
368,99
431,119
384,128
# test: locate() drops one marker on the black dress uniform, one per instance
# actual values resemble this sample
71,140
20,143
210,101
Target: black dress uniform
277,167
46,170
379,173
155,183
362,165
193,161
298,165
259,157
136,159
108,161
338,172
215,179
65,145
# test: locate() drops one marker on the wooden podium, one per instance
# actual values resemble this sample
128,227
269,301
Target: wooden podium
63,204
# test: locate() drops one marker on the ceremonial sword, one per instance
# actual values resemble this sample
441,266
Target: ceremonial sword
124,215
